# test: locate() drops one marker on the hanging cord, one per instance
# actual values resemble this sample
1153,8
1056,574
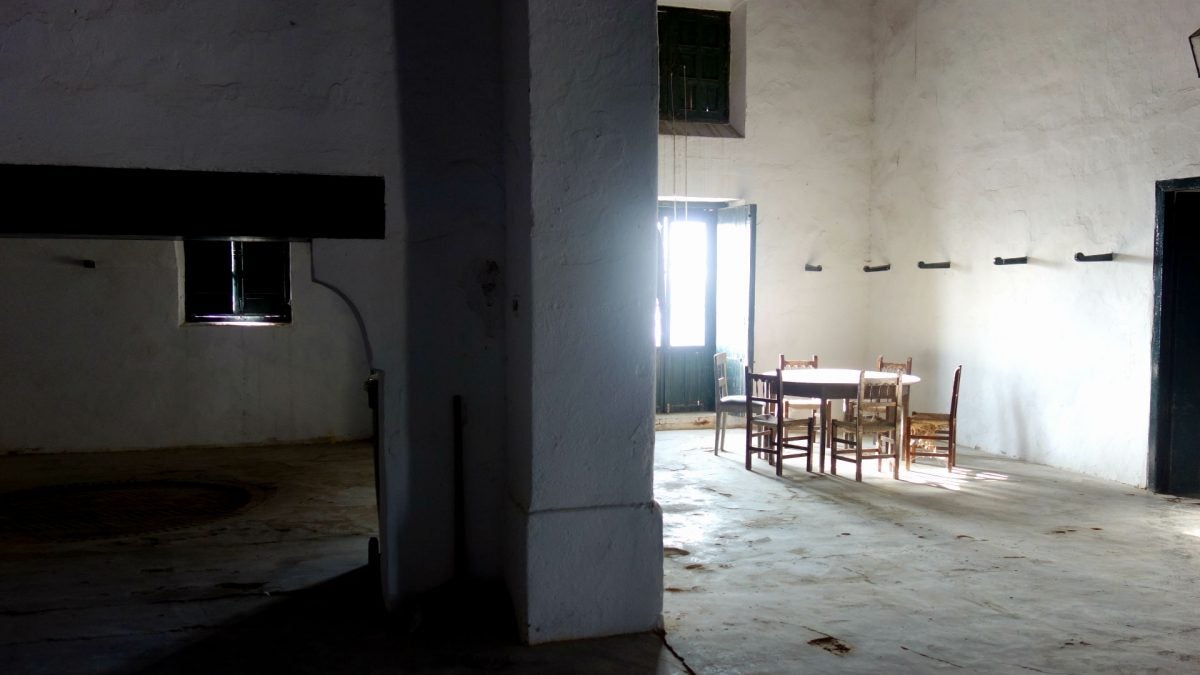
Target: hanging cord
674,152
685,145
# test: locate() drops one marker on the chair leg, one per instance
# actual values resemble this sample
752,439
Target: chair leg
833,439
833,451
827,411
808,455
749,438
825,422
717,428
895,453
778,445
907,445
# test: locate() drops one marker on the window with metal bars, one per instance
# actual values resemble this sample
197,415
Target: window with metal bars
237,282
693,65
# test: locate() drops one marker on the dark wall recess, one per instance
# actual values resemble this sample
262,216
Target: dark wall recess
1174,463
82,201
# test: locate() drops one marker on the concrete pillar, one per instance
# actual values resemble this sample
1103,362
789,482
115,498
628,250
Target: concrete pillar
431,298
585,547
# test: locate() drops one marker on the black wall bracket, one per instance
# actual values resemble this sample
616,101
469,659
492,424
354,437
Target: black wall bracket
1100,257
811,268
1011,261
878,268
934,266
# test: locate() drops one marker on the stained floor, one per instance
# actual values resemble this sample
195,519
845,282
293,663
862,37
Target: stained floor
1001,566
258,566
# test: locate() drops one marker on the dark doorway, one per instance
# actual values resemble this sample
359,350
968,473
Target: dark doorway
1174,465
705,299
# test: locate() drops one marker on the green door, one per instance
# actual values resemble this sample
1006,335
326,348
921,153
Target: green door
734,306
703,281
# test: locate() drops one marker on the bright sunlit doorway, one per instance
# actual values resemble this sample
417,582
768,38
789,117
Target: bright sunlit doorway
705,299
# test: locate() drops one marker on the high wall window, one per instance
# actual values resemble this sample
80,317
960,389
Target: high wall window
237,282
693,65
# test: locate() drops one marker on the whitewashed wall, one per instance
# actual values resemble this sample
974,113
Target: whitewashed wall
805,161
906,130
96,358
1024,127
410,91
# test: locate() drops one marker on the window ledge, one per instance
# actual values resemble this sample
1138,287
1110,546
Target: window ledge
247,321
703,129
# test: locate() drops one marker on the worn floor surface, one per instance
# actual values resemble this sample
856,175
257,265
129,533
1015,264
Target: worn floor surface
1000,567
281,586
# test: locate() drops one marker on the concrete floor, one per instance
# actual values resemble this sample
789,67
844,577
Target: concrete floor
1000,567
280,587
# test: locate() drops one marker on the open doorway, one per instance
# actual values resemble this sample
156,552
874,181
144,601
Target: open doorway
1174,464
705,299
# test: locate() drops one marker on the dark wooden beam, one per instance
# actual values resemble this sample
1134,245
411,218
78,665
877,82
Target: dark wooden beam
85,201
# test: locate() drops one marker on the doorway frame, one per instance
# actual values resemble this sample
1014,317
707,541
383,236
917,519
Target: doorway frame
1158,466
663,352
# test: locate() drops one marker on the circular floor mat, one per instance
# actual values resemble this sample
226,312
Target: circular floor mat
109,510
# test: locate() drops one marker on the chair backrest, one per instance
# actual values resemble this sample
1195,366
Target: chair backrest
720,376
764,389
763,397
878,397
788,364
894,366
954,394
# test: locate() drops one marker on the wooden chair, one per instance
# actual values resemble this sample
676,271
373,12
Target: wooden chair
882,366
767,431
903,367
810,407
894,366
725,403
873,414
934,434
799,402
785,363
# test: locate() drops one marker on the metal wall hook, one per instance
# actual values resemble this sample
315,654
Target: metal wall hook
934,266
879,268
811,268
1011,261
1100,257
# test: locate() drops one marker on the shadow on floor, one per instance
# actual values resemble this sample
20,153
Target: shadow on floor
340,627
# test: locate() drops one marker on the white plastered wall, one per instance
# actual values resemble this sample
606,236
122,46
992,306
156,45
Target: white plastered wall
897,131
805,160
95,358
395,89
1022,128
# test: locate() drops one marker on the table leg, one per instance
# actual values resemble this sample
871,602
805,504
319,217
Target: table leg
826,425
